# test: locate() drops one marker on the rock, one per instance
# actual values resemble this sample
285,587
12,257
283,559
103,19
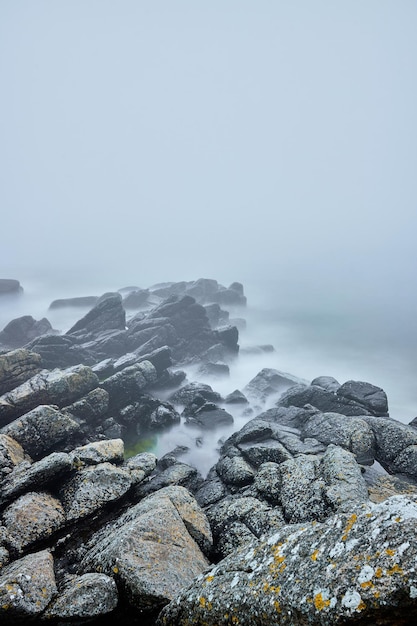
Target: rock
107,314
160,358
38,475
16,367
214,370
269,382
216,315
260,452
326,382
177,474
371,397
40,430
149,548
229,297
10,286
136,298
26,587
59,351
91,488
111,451
237,520
392,440
188,392
80,301
148,414
352,433
236,397
140,466
321,399
229,337
91,408
235,471
84,597
128,384
58,387
22,330
31,518
317,573
206,415
11,455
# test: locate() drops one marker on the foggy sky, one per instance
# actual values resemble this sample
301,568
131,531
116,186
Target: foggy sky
173,139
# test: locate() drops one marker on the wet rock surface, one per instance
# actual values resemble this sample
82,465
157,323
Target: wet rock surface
308,515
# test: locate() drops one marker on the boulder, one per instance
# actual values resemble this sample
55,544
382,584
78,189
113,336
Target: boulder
371,397
83,598
16,367
321,399
26,587
58,387
10,286
396,444
176,474
129,384
11,455
153,548
187,393
39,431
135,298
22,330
356,567
31,518
59,351
107,314
269,382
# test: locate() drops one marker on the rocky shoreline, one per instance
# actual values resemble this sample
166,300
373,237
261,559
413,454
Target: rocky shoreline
308,516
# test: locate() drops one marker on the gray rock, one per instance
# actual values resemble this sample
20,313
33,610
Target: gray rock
111,451
345,483
317,574
149,548
26,587
321,399
178,474
236,397
209,417
260,452
326,382
93,487
10,286
352,433
92,407
237,519
129,384
84,597
22,330
31,518
235,471
269,382
107,314
38,475
58,387
371,397
188,392
16,367
11,455
40,430
392,438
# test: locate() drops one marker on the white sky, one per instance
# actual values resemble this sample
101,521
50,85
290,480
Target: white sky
233,139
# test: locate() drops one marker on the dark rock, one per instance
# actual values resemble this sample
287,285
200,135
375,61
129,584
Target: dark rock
236,397
59,351
395,445
40,430
235,471
129,384
91,408
160,358
16,367
81,301
216,315
188,392
107,314
10,286
23,330
26,587
170,379
48,387
229,336
325,401
178,474
209,417
214,370
83,598
149,414
11,456
373,398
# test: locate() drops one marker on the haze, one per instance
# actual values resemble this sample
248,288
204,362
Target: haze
269,141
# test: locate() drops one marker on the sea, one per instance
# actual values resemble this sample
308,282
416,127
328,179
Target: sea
308,332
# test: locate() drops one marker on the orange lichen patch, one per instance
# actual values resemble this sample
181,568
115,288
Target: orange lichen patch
390,552
267,588
315,555
115,569
235,620
361,606
396,569
5,607
398,519
351,521
366,584
377,594
320,603
209,579
378,572
278,565
277,606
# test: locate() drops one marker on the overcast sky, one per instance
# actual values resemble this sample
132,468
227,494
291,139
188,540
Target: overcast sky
234,139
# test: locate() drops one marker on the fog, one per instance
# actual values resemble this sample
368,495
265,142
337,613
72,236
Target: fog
269,142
